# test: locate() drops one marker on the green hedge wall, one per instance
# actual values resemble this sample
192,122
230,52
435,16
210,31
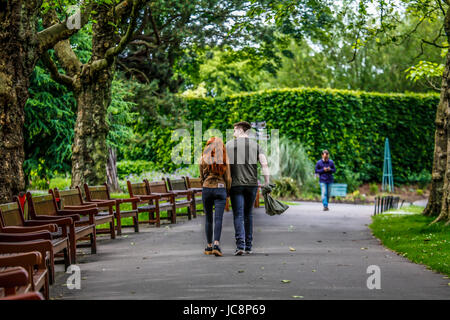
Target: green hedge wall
351,125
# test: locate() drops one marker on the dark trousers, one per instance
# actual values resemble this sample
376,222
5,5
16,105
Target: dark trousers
213,197
242,199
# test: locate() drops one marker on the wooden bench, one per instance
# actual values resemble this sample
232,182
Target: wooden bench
150,202
101,195
179,186
12,222
72,199
195,184
15,285
32,257
45,208
170,204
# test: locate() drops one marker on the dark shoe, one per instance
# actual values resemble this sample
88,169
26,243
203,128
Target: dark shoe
216,251
208,250
239,252
325,209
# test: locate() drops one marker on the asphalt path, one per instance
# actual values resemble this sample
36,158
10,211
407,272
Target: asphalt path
305,253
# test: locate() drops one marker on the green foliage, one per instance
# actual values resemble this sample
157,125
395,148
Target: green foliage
413,237
373,188
48,130
135,167
422,178
294,163
348,176
286,187
352,125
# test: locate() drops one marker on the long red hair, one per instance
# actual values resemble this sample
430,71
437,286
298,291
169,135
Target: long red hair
215,156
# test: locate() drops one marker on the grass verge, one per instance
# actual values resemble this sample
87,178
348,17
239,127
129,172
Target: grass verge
412,236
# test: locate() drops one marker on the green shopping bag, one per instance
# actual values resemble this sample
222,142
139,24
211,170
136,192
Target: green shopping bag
272,205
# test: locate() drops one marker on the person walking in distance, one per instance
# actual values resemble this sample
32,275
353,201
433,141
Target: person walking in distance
244,154
325,168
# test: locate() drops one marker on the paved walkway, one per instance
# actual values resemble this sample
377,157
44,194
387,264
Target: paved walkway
332,252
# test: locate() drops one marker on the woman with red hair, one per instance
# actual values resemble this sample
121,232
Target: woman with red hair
216,182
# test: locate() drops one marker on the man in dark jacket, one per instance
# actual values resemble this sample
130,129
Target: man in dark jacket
325,168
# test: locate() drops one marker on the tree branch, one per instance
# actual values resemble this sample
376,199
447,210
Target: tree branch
52,35
54,73
111,53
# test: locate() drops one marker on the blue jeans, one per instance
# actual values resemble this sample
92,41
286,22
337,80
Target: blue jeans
213,197
325,190
242,199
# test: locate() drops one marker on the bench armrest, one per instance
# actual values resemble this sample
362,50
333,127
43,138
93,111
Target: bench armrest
19,237
134,199
81,207
149,197
25,260
44,227
60,221
13,277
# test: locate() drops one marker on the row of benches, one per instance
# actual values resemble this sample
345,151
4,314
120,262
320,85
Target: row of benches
49,226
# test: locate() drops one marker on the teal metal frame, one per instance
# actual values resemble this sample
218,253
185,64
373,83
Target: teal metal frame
388,177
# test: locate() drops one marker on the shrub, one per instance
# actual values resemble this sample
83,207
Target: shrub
127,167
373,188
349,177
294,163
422,178
419,192
286,187
352,125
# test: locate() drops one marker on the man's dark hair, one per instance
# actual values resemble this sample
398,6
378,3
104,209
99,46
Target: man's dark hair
325,152
244,125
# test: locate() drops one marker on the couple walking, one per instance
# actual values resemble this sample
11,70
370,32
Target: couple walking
231,170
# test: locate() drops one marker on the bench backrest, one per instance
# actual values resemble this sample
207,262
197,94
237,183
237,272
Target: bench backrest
137,189
157,186
41,205
71,197
11,215
96,192
338,190
177,184
194,182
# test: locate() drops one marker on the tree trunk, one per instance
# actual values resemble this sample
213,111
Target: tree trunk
440,149
18,56
92,88
443,154
439,200
89,149
111,171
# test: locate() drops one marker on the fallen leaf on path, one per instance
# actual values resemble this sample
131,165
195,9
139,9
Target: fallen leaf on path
125,236
364,248
291,249
262,268
314,270
132,243
285,281
297,297
240,271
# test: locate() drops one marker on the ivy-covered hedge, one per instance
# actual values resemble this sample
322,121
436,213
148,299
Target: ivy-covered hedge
351,125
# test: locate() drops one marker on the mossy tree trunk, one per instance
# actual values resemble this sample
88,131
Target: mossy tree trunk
91,84
439,200
21,47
